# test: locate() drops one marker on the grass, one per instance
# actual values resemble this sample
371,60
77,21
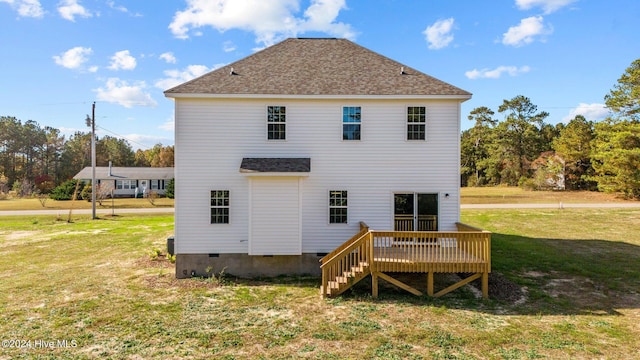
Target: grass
97,285
118,203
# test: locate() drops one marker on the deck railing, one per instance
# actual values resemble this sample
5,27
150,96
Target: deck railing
406,222
364,228
430,252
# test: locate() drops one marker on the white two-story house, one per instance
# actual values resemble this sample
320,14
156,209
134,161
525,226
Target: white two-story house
281,155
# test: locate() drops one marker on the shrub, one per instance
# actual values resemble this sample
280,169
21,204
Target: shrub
85,193
170,189
152,196
65,190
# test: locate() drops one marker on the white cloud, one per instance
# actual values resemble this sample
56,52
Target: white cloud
439,34
270,21
168,57
526,31
497,72
177,77
26,8
592,112
121,9
122,60
128,95
69,9
548,6
228,46
74,58
168,126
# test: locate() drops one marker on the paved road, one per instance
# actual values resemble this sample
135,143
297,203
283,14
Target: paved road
554,206
623,205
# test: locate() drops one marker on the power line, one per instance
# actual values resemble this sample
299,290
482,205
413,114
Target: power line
124,137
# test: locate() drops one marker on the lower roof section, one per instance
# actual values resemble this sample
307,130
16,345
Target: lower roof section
276,166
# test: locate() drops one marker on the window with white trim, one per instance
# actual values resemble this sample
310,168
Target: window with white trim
157,184
351,122
125,184
416,123
338,210
276,123
219,206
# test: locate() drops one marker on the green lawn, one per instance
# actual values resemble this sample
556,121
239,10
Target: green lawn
95,284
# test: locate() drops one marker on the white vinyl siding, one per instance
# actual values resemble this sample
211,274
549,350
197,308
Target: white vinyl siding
209,150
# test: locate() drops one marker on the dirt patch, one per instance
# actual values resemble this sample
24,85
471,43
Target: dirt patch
502,289
17,235
165,276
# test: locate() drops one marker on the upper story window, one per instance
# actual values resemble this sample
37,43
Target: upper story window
219,206
416,123
276,123
338,207
351,122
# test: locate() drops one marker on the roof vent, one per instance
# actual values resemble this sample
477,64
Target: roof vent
402,72
232,72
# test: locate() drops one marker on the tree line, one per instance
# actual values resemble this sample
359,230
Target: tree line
520,150
523,150
36,159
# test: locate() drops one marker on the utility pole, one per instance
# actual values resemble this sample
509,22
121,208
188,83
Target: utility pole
92,121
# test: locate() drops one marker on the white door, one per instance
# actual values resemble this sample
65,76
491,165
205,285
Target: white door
274,216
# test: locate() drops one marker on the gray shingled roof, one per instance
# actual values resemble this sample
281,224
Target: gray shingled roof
133,173
252,165
317,67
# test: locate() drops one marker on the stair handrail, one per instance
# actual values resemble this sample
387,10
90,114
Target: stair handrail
331,266
364,228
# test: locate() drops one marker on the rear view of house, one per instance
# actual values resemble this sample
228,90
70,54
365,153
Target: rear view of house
282,156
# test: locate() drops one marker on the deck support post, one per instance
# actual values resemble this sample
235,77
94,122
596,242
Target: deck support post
485,285
430,283
374,285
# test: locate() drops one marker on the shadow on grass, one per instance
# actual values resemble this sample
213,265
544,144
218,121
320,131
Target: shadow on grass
553,276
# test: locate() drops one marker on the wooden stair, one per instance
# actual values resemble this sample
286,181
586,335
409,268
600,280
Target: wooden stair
346,280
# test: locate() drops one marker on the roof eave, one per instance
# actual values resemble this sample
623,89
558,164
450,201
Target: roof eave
462,97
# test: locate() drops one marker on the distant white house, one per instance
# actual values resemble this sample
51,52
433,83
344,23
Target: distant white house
130,181
281,155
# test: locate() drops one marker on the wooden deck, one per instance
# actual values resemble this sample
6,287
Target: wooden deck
375,253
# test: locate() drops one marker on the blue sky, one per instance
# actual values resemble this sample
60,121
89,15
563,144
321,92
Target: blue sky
60,56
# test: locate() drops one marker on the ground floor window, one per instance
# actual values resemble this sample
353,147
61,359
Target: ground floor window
157,184
125,184
338,207
219,206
